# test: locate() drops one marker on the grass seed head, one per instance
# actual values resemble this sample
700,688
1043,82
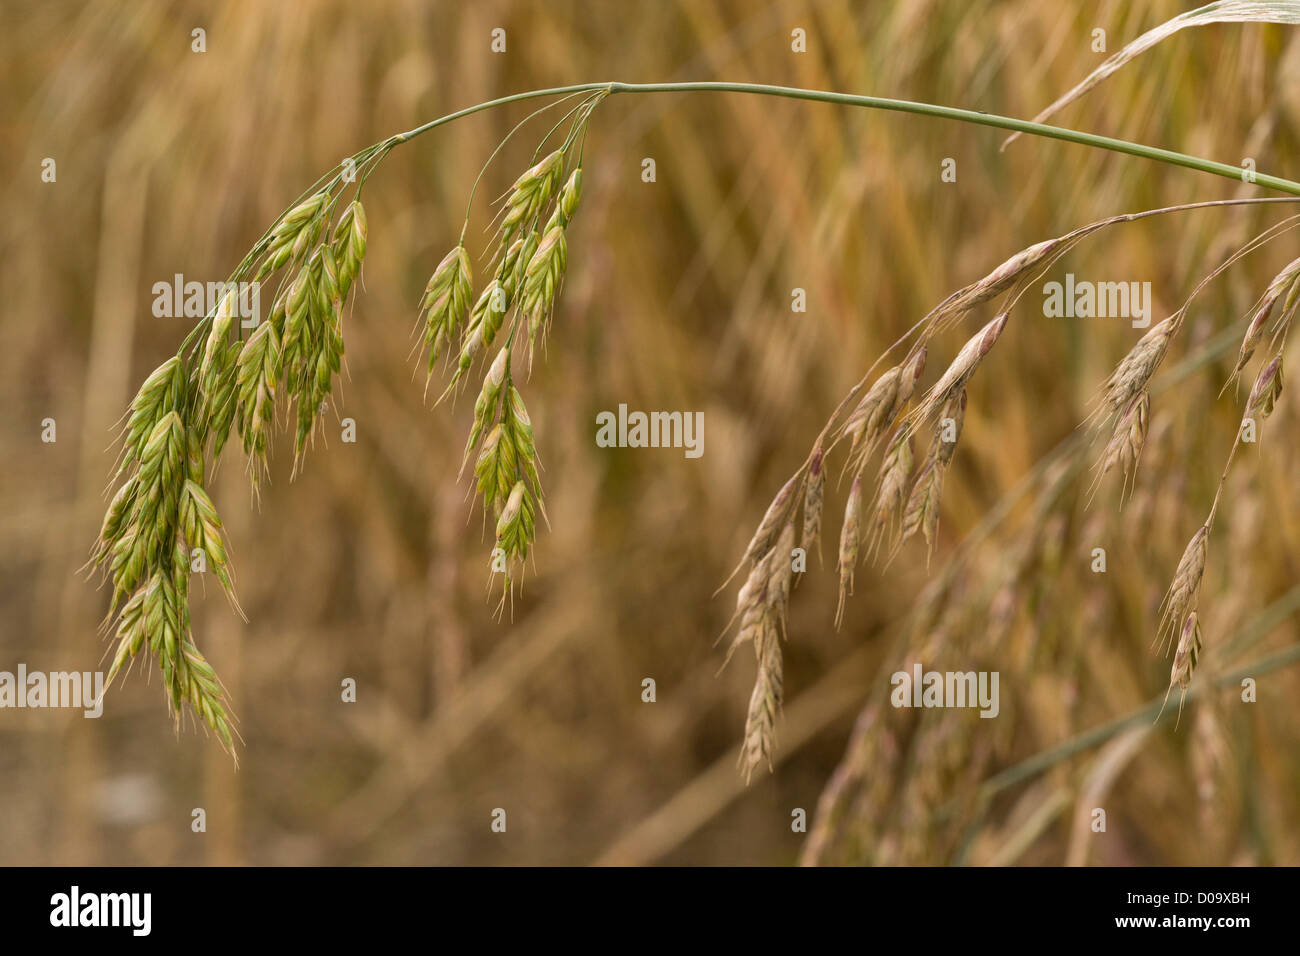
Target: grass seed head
1181,598
294,234
772,519
922,510
894,472
876,410
947,432
961,369
1266,390
1186,657
446,302
1135,370
542,280
781,572
1126,444
814,495
570,196
764,703
530,193
350,244
849,542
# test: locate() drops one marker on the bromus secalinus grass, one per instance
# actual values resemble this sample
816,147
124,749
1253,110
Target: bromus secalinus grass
481,324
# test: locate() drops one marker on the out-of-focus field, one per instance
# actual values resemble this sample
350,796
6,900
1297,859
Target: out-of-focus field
370,565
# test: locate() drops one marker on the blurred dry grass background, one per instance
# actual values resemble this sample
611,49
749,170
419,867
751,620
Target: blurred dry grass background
677,298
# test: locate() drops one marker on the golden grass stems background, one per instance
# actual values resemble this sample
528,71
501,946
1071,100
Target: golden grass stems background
677,298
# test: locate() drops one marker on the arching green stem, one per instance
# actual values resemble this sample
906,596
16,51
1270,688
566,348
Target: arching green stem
1167,156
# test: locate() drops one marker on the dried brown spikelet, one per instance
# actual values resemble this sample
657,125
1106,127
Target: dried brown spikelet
922,511
781,573
891,495
1134,371
1254,334
814,496
1002,278
1186,657
912,370
849,541
1288,278
882,405
873,413
961,369
947,432
751,605
1125,446
772,519
764,703
1266,390
1181,597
